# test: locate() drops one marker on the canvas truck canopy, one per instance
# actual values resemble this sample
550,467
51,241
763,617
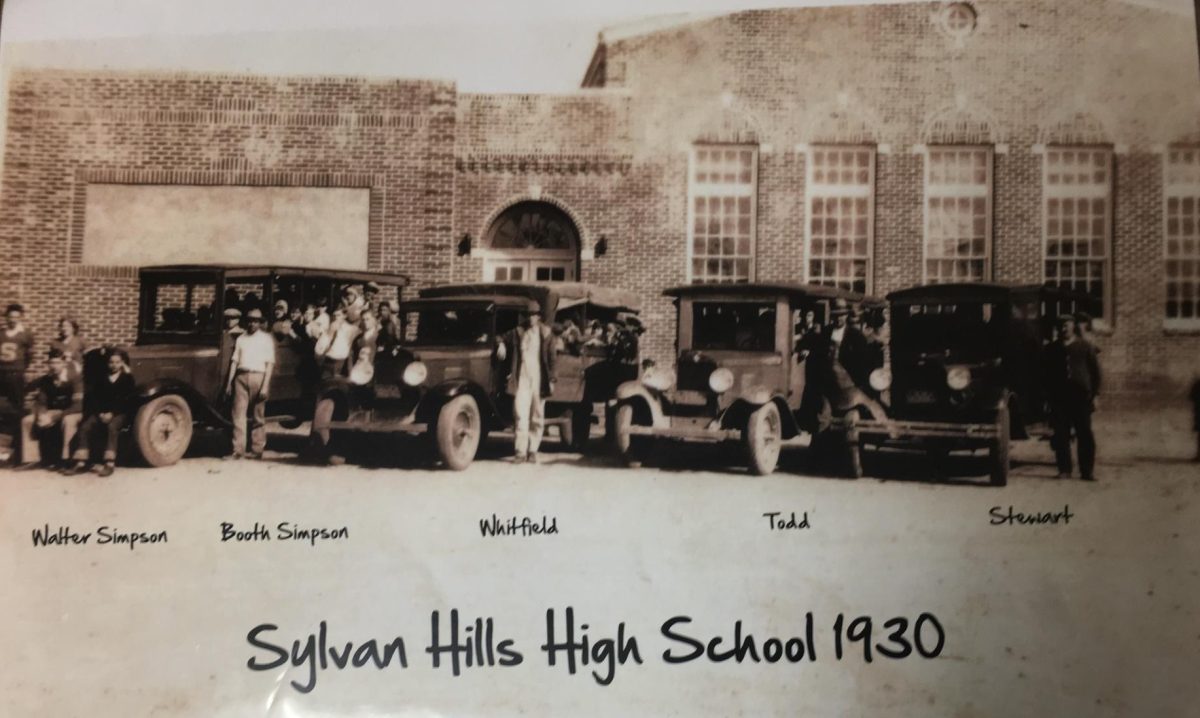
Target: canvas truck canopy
793,291
551,296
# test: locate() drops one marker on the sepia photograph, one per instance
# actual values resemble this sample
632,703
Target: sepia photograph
838,357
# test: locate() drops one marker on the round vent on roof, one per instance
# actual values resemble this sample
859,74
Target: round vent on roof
957,20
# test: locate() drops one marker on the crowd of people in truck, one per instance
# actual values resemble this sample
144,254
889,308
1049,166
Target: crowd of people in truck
70,418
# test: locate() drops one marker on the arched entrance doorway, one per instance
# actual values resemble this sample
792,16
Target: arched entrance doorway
532,241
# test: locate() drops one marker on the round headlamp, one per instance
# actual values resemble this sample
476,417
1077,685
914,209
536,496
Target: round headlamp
957,377
880,379
720,380
415,373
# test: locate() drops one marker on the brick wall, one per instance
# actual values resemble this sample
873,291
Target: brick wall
442,165
67,129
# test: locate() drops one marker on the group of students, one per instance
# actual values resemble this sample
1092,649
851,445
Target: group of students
78,410
342,341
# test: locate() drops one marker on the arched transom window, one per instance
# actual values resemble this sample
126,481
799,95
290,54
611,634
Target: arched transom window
531,241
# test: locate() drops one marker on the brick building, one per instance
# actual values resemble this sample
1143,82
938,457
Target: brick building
876,146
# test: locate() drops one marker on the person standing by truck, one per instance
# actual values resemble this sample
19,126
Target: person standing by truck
1073,381
530,380
16,353
250,384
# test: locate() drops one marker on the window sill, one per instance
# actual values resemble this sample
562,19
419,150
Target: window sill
1181,328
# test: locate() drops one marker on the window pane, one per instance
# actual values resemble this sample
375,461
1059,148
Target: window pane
1182,255
840,230
1077,196
722,228
958,215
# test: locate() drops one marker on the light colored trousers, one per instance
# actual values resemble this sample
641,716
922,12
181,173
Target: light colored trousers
31,448
247,400
529,411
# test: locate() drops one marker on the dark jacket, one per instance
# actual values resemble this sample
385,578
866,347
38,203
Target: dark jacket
1072,371
64,396
114,397
512,343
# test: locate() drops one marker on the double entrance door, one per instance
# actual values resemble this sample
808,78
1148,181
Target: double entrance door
529,270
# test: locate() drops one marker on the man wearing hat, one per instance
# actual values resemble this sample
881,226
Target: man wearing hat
106,410
233,321
530,380
250,384
371,297
1073,382
281,324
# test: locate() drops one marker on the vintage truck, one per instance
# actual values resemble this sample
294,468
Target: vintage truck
447,379
966,367
757,365
182,351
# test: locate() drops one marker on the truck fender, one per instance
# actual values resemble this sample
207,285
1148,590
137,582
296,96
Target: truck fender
203,410
437,396
634,392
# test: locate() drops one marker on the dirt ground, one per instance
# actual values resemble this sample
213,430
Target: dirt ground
1093,617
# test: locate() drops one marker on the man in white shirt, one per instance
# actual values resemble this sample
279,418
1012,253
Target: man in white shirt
250,383
530,381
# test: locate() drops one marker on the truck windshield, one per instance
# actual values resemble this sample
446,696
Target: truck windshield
964,332
454,326
746,326
180,307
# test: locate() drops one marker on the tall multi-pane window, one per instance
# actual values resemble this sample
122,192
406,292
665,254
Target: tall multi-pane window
1077,190
841,204
721,224
958,214
1182,252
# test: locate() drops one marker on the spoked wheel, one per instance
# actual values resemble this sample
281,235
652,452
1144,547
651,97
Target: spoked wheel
998,455
163,430
764,432
459,429
632,449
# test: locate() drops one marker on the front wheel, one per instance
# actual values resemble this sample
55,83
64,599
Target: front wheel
163,430
998,456
458,432
764,432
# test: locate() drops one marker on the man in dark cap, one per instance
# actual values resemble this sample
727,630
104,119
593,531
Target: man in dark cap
371,296
1073,383
250,385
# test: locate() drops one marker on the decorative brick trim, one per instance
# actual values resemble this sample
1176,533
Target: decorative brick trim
233,117
556,163
92,271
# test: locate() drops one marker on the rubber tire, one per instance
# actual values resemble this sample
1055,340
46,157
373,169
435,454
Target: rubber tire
630,448
175,409
998,455
764,432
578,427
457,450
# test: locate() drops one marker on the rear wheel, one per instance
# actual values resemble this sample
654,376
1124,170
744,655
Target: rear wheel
764,432
998,455
458,431
163,430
